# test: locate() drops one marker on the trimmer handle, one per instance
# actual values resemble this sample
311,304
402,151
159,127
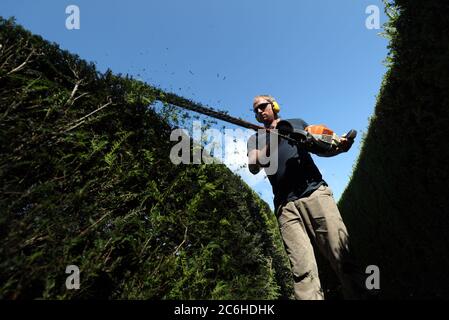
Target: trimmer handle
351,134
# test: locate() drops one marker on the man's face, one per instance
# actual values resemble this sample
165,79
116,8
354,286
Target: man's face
264,109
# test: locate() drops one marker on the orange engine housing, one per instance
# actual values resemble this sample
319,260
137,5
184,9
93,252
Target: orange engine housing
319,129
322,134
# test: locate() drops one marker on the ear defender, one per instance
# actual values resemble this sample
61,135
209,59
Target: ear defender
276,107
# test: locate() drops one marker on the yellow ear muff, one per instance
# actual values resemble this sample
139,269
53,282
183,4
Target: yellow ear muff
276,107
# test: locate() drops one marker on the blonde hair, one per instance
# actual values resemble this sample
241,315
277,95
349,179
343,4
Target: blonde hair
266,96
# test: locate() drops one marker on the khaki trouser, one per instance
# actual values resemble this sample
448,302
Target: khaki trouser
315,218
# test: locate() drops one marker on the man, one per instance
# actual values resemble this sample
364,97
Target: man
304,205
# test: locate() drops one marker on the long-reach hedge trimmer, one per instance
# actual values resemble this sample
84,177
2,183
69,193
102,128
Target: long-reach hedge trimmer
316,138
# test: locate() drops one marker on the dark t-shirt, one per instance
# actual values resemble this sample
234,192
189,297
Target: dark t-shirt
297,175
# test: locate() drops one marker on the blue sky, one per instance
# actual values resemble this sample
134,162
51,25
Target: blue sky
315,56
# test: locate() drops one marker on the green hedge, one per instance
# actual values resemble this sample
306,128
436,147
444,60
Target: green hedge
97,190
397,203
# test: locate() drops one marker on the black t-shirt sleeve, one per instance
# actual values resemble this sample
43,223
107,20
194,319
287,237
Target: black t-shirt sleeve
257,141
303,123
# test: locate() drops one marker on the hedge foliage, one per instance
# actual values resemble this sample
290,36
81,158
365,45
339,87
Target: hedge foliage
85,179
397,203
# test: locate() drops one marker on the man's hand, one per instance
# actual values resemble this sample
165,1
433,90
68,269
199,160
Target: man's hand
253,165
347,140
345,144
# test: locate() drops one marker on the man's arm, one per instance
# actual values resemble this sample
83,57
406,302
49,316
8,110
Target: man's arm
253,165
343,146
